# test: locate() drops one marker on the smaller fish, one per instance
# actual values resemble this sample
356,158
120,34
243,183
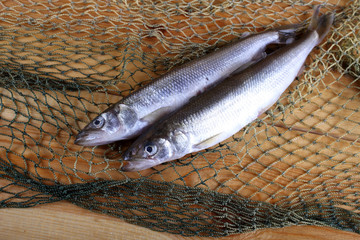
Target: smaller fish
223,110
133,114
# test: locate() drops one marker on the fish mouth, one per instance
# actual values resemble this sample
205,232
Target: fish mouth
90,139
138,164
84,139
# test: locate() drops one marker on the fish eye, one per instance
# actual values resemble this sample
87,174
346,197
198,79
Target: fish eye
150,149
98,122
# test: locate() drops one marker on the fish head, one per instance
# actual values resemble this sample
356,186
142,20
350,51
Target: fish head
148,152
114,124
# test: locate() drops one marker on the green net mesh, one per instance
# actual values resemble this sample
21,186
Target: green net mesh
62,62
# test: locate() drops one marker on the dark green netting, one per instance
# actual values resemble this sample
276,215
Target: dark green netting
63,62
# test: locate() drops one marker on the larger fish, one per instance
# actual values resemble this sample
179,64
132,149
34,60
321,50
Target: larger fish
133,114
223,110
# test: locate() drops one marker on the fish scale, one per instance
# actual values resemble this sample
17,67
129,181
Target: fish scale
181,82
239,100
225,109
135,113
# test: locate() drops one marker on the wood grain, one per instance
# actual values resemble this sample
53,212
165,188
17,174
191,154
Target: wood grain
63,220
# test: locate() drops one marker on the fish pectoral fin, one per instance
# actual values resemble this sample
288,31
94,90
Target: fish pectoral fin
245,34
263,110
156,115
211,141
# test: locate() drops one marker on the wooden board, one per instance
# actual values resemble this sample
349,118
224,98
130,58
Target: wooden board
63,220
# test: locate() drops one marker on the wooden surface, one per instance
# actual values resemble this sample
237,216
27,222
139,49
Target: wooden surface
63,220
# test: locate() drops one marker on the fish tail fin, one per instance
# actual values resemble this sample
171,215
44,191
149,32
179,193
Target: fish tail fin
321,24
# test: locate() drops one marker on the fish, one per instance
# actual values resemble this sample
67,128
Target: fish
225,109
133,114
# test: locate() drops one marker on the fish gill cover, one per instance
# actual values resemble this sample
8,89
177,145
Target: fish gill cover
63,62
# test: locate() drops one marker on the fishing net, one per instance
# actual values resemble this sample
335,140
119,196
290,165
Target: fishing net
62,62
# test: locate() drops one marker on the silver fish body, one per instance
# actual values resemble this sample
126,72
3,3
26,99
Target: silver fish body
133,114
222,111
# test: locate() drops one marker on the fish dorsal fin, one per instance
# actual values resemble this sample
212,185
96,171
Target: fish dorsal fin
156,115
259,56
211,141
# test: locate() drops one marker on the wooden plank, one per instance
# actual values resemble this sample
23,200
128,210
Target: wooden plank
63,220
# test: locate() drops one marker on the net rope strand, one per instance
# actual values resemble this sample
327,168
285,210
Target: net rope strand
62,62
